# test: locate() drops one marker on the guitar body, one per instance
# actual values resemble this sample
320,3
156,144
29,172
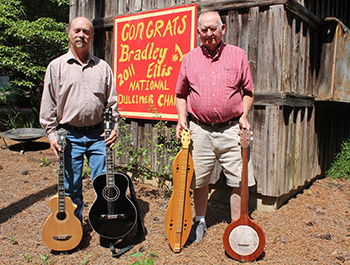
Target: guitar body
113,214
178,217
62,231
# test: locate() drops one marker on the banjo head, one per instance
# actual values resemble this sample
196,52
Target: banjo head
244,241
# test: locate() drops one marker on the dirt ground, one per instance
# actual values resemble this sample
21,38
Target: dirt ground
312,228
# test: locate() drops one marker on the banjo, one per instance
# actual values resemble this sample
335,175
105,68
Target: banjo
244,239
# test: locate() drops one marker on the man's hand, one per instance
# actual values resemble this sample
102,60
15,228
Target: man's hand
181,125
112,139
243,123
55,147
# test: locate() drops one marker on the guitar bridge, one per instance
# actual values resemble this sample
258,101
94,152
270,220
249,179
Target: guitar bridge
62,237
112,216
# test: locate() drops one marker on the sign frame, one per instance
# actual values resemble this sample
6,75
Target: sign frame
135,82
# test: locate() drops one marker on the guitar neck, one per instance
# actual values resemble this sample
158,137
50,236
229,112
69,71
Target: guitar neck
61,190
109,162
244,183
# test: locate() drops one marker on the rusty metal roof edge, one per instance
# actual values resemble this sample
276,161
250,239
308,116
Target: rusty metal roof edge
334,19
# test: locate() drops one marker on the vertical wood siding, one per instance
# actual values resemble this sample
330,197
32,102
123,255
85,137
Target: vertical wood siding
291,145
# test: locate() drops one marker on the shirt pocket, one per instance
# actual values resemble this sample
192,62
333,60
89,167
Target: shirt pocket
98,88
231,78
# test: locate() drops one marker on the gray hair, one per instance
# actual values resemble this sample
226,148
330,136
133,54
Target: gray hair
212,12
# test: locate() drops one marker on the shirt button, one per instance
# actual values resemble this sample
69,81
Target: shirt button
214,108
213,95
213,83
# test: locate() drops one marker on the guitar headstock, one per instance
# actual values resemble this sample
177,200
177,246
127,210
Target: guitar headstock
245,137
185,138
61,141
107,116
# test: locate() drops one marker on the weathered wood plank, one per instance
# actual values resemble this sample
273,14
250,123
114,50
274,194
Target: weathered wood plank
264,64
259,144
276,20
271,185
253,41
287,54
236,4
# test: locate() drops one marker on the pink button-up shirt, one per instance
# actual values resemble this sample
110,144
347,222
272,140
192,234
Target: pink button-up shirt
213,86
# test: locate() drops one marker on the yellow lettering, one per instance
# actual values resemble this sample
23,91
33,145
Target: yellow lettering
124,53
149,32
180,31
159,25
124,35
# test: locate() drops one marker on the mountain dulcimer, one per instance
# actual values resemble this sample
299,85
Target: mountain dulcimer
178,218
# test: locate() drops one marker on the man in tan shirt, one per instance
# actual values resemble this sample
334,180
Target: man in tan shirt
77,87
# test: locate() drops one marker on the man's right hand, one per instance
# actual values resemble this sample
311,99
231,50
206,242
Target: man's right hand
181,125
55,147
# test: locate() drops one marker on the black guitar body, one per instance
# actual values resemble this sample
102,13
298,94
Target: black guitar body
113,214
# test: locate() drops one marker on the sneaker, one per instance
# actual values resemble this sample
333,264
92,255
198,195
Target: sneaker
197,232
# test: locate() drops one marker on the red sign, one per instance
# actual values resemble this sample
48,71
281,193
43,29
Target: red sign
147,54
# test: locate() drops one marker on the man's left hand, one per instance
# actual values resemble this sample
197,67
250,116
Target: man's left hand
243,123
112,139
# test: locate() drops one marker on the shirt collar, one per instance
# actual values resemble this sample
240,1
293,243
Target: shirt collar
71,57
218,51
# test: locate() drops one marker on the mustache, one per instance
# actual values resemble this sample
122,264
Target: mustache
81,39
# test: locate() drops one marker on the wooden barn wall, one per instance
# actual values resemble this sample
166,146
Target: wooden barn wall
282,40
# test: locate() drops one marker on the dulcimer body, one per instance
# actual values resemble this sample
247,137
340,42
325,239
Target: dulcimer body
178,218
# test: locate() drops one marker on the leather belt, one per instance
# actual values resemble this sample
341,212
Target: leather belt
215,124
81,128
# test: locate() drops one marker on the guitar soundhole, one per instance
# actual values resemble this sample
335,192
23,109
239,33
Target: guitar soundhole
61,216
111,193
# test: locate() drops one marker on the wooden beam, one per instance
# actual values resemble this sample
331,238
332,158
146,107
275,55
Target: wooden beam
283,99
304,14
224,5
235,4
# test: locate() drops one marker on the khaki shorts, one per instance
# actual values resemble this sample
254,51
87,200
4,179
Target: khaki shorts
217,144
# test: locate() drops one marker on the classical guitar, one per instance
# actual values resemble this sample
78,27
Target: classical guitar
62,230
113,214
178,218
244,239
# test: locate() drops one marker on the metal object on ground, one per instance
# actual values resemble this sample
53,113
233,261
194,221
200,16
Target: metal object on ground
24,135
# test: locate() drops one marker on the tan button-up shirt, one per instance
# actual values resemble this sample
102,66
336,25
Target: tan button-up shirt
76,94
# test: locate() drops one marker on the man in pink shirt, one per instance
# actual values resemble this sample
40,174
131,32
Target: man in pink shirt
215,87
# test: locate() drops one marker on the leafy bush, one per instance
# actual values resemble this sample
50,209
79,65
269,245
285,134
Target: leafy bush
340,168
32,33
163,146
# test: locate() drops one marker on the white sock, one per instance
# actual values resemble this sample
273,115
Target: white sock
200,219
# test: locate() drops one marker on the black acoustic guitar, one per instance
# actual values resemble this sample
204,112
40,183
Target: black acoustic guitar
62,230
112,215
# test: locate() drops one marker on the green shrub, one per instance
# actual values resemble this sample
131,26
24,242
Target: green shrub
340,168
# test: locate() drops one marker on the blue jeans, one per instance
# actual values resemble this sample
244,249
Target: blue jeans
80,143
